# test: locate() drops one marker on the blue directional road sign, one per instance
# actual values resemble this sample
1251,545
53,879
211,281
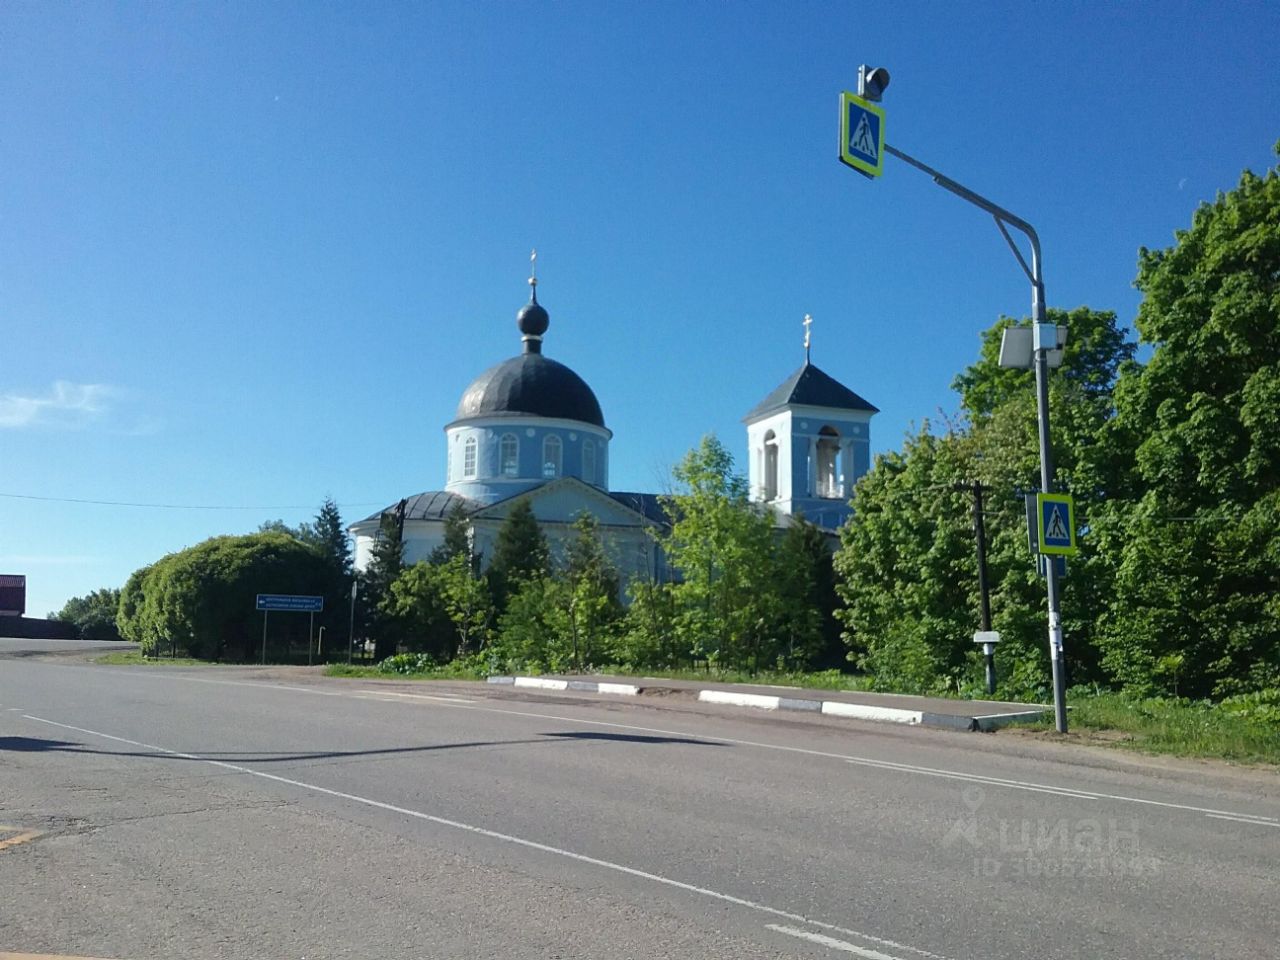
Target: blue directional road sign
295,603
861,134
1055,513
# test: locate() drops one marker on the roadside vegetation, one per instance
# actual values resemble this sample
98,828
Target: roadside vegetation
1170,446
1243,728
128,658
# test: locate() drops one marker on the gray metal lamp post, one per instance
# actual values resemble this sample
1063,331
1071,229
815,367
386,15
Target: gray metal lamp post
1047,340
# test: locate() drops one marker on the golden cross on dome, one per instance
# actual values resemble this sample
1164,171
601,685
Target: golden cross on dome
808,322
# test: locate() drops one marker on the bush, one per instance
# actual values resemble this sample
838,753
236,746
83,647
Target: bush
408,664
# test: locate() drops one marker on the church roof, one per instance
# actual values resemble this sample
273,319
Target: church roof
530,385
648,505
432,505
810,387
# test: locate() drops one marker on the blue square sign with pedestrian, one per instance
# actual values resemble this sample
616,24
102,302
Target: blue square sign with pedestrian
861,135
1056,526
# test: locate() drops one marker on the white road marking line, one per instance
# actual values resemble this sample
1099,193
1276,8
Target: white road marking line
444,698
979,778
831,942
504,837
862,761
1256,821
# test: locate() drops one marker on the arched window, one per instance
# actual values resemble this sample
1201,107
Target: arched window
827,467
589,460
509,455
551,456
771,466
469,457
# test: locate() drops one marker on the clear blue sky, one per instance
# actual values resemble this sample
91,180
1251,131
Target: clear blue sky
251,254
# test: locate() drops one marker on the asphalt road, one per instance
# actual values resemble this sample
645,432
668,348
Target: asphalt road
210,812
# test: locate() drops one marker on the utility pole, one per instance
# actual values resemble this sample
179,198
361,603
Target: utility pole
984,587
980,535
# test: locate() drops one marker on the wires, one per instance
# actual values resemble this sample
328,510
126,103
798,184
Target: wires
176,506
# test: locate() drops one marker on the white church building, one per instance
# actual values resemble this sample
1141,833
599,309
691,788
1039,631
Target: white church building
531,427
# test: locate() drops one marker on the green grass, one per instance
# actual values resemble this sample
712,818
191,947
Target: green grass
448,671
1183,728
819,680
134,657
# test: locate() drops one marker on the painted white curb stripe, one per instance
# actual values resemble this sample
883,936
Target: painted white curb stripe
861,711
542,683
739,699
626,689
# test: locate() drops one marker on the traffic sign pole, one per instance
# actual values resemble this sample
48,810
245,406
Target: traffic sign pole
1046,484
1004,220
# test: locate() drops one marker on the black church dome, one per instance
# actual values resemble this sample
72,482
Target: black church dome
533,386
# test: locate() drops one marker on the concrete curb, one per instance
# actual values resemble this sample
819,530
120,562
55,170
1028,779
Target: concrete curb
830,708
587,686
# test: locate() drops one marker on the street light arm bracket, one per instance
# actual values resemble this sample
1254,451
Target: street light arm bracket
1022,261
1002,217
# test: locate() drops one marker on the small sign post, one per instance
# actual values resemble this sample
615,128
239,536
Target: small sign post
989,639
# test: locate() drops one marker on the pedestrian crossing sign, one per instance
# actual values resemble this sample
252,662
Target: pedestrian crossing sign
1056,525
861,134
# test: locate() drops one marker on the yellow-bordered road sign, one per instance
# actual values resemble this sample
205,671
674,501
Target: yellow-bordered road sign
1056,523
861,134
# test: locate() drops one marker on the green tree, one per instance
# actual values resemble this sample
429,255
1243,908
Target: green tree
806,583
565,619
907,561
722,546
593,606
534,631
202,600
457,537
328,536
417,601
386,562
93,615
520,552
468,603
1198,553
647,636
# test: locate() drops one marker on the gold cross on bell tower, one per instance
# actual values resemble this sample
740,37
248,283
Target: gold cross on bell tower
808,322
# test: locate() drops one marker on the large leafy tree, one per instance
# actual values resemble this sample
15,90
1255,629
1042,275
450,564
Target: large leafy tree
94,615
808,632
722,546
202,600
593,605
1198,553
907,561
443,609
